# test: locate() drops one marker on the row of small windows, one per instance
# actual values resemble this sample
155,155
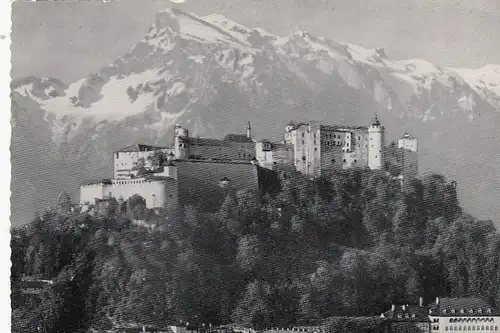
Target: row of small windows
126,182
470,311
471,328
470,320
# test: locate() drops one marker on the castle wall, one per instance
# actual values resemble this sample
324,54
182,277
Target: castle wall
361,146
222,150
124,161
307,149
408,143
89,192
268,154
199,181
158,193
403,159
331,154
350,160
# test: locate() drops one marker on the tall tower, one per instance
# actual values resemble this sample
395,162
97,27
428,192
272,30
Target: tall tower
249,131
408,142
288,132
408,147
181,142
375,145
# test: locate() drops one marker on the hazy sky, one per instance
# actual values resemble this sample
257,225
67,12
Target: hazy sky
68,40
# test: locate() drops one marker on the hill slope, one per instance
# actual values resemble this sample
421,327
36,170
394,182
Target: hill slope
213,75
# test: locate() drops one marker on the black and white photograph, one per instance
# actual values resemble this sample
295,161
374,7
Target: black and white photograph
254,166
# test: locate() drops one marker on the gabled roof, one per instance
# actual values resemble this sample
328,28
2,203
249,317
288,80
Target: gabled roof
463,307
140,147
207,142
238,138
408,313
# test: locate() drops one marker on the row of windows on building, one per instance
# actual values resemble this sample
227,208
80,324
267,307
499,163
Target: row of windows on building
463,311
471,320
471,328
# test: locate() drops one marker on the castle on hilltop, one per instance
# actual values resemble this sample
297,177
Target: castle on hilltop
195,169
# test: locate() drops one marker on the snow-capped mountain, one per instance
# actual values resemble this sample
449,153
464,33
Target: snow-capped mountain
213,75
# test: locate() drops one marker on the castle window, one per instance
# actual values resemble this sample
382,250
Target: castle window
344,161
303,158
315,149
302,134
302,141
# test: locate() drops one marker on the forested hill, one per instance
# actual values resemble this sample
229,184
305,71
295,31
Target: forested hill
347,244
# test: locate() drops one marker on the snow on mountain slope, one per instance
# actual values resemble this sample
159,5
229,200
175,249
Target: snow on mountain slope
213,75
485,81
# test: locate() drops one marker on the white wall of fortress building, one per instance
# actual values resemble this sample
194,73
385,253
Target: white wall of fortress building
158,193
124,161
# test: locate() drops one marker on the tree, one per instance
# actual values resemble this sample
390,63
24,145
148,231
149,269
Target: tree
250,252
157,159
64,204
136,207
252,310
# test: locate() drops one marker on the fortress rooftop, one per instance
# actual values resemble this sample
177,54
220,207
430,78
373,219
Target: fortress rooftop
327,127
140,147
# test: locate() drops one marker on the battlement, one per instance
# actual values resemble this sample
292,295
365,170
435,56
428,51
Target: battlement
97,183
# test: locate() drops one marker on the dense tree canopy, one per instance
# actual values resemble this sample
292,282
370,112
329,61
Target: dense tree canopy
347,244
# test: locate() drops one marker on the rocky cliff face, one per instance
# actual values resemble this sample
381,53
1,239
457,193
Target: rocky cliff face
213,75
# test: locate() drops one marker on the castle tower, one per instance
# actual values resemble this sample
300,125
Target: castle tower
249,131
288,132
181,142
408,142
375,145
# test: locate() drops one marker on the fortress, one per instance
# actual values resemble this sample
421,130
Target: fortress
201,170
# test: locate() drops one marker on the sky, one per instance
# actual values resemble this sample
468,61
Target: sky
70,40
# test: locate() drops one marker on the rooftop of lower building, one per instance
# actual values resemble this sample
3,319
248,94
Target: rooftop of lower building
140,147
327,127
469,306
408,312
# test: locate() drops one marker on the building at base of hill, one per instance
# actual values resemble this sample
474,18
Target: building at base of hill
464,314
444,316
408,318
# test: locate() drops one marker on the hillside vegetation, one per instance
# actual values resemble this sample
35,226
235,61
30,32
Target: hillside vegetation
348,244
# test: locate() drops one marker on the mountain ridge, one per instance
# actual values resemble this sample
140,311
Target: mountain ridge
214,80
